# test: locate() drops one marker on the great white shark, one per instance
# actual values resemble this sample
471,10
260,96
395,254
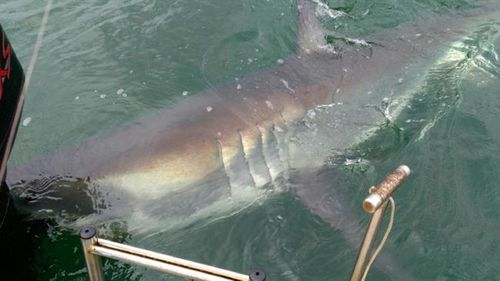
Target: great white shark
235,143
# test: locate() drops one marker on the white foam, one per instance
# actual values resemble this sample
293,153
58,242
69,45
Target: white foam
322,9
357,41
27,121
349,162
311,114
328,48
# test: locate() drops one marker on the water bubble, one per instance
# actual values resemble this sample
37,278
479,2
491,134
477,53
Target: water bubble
209,108
120,91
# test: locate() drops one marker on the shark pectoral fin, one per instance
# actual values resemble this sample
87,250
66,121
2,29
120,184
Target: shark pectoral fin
318,190
322,191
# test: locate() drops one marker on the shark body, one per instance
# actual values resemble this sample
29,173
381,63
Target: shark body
232,144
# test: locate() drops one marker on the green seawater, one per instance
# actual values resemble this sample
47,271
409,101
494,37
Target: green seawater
153,51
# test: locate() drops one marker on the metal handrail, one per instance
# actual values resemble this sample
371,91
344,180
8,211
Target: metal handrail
376,204
94,247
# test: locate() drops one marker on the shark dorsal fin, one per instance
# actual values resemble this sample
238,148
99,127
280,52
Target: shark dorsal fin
311,34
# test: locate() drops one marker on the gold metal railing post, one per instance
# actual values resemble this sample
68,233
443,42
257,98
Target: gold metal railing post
366,245
88,237
376,204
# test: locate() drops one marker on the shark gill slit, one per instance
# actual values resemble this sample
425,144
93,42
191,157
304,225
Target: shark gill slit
280,134
234,165
270,151
223,165
265,154
245,153
254,157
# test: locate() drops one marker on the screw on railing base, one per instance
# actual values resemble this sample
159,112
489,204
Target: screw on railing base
257,275
87,232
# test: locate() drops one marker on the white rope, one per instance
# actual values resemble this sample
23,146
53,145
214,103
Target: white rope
29,72
38,45
384,239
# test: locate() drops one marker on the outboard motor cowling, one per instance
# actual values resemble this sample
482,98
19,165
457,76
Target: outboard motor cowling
11,99
14,239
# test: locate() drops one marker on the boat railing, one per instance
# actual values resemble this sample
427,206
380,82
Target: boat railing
94,247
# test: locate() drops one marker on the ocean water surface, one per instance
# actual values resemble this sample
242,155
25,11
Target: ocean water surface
105,63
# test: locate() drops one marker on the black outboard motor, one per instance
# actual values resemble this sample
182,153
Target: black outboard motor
11,100
14,240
